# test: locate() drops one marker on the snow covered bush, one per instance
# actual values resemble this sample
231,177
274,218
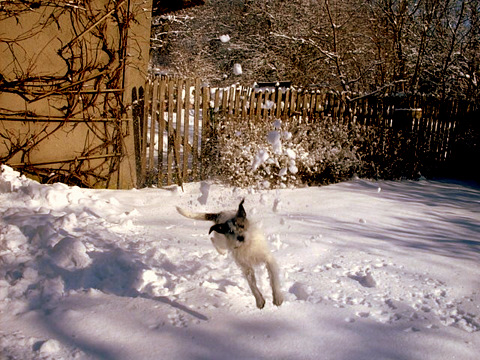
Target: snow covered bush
331,152
282,154
253,154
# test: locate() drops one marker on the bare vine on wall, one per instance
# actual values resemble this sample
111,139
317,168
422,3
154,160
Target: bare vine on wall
86,88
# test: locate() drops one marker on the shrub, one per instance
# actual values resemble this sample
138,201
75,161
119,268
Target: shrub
280,154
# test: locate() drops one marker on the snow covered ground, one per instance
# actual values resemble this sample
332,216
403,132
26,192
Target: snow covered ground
370,270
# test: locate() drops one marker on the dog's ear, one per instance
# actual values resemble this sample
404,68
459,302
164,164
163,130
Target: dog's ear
220,228
241,213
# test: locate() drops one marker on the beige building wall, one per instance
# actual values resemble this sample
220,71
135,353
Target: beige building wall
66,75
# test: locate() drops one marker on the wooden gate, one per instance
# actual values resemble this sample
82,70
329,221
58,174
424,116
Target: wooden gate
171,130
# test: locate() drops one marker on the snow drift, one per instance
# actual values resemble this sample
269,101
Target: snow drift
370,270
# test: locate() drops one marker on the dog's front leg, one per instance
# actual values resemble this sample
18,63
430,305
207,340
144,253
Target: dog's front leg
249,273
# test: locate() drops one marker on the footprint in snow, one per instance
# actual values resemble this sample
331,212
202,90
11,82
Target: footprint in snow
300,291
365,280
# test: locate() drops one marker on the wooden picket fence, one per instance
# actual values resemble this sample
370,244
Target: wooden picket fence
175,119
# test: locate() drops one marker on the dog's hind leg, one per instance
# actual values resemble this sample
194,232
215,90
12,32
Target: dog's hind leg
249,273
272,269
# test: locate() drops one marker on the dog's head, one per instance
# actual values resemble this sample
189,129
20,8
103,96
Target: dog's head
235,227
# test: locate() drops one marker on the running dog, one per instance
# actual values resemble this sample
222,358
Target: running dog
233,232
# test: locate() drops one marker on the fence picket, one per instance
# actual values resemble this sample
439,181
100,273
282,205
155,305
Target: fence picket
153,123
231,101
205,131
278,103
144,128
170,132
224,103
196,127
244,103
305,105
293,103
161,130
266,105
178,130
258,105
251,105
285,101
186,130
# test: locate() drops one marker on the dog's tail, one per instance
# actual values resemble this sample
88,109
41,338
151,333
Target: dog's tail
197,216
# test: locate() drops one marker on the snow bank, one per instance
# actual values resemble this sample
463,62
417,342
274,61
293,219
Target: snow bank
54,232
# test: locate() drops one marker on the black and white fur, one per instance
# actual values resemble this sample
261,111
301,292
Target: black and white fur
233,232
